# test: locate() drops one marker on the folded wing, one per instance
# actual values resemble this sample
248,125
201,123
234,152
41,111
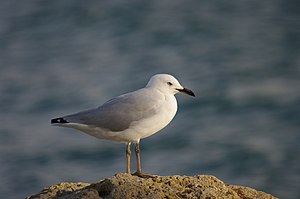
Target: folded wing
116,114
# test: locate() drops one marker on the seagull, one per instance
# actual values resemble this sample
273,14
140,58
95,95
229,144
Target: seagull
130,117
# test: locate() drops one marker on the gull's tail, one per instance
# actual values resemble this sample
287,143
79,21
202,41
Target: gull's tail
58,121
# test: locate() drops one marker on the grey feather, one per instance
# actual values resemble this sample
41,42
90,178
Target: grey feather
118,113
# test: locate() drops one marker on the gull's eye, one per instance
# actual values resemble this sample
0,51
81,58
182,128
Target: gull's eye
169,83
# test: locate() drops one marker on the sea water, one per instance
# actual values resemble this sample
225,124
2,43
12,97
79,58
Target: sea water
241,58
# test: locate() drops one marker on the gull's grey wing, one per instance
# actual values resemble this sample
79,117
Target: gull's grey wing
118,113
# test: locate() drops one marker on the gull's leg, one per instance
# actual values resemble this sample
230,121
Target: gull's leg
128,153
138,160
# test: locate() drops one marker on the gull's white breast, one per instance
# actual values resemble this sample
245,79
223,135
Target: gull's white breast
166,111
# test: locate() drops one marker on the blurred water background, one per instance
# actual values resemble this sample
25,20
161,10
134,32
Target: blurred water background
240,57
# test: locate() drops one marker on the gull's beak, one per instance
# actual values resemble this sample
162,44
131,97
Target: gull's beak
186,91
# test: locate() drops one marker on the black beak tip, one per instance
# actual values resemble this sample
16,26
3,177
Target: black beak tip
191,93
187,91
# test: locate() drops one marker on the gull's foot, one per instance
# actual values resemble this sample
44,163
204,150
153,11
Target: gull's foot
143,175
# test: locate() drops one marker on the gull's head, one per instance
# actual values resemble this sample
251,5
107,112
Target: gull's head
167,84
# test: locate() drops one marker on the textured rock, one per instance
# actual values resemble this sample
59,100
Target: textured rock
127,186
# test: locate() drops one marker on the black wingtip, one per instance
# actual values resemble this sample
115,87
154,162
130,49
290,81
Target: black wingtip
59,120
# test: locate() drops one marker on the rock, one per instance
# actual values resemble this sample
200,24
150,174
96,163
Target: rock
124,185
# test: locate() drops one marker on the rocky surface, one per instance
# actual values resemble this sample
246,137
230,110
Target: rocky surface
123,185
